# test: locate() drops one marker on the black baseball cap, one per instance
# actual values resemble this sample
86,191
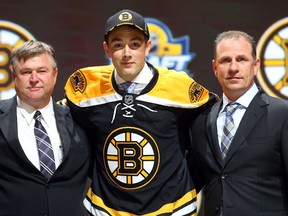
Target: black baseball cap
126,17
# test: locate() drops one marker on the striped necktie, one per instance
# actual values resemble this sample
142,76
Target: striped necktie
45,151
128,87
229,128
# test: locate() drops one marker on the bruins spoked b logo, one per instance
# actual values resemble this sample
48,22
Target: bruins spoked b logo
12,35
273,52
131,157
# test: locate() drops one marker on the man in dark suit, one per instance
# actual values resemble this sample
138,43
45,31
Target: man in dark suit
33,181
240,156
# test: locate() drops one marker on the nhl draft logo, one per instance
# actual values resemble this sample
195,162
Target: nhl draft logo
167,51
11,36
131,157
273,52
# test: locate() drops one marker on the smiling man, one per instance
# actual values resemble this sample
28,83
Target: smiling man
136,117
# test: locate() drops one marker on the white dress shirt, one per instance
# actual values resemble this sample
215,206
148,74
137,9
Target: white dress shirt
141,80
25,124
244,100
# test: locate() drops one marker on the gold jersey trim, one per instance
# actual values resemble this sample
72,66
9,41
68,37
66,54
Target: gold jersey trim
93,86
183,205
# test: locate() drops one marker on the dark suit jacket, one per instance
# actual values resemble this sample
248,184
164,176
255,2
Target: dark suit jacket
23,189
252,180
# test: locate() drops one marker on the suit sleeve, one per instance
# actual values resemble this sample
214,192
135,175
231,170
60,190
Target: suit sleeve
198,135
284,148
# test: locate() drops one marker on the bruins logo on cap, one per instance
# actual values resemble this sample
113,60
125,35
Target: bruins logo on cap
125,16
78,81
195,92
273,52
131,157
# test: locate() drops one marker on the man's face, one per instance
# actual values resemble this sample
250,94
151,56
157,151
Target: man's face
235,67
127,49
34,80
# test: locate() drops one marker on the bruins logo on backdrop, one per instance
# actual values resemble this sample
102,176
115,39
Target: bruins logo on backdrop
12,35
131,157
167,51
273,52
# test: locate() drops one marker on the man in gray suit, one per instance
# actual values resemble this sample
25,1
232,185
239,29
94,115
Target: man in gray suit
44,158
239,152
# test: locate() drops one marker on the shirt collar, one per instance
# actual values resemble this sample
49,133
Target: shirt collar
244,100
28,111
143,77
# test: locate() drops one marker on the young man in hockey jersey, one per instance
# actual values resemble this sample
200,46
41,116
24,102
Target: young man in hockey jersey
139,135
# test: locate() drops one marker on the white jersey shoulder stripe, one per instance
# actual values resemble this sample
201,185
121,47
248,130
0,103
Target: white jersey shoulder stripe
145,98
165,102
100,100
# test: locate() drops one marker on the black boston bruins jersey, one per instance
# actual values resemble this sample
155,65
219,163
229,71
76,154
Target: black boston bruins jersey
138,141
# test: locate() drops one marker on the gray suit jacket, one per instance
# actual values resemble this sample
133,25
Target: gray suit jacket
252,180
23,189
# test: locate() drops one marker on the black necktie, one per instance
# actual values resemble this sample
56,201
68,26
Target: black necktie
46,156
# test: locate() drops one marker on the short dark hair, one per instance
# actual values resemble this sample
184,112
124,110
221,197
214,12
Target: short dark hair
232,34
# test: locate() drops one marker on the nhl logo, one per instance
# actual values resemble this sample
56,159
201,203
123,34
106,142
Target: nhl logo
128,99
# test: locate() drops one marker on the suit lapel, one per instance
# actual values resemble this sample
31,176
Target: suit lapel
212,129
5,114
252,115
8,126
63,123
